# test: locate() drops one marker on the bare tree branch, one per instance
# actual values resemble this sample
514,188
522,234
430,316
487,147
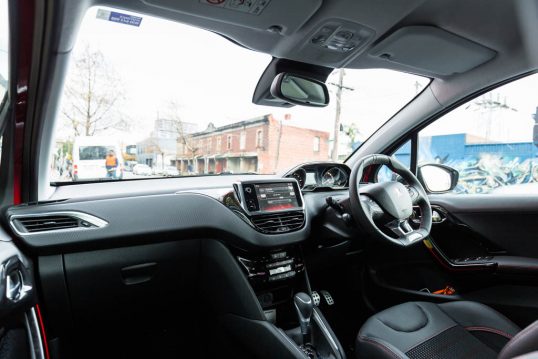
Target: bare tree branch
91,95
179,127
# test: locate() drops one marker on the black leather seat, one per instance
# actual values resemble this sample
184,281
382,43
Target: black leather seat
420,330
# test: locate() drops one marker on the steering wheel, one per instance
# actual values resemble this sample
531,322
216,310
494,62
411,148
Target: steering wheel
389,204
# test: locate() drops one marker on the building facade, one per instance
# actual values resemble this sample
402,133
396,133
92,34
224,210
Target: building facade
159,149
262,145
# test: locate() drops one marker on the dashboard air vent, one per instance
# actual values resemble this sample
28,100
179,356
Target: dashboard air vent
48,223
279,222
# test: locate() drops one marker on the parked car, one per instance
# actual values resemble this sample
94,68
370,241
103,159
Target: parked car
170,171
142,169
157,170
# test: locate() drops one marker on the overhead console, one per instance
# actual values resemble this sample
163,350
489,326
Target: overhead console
336,41
271,15
271,206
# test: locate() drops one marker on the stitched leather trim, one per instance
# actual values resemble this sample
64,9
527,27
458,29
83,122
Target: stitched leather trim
489,330
485,307
381,346
518,337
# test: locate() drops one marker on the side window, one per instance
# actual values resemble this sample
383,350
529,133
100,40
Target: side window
402,154
492,140
4,46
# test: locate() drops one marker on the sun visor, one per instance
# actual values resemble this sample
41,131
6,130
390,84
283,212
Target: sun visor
431,50
273,15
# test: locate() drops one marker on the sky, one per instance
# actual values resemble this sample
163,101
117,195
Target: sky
511,124
212,80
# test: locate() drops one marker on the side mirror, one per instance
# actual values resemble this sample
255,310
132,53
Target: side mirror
300,90
438,178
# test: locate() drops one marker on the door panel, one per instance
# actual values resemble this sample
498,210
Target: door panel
497,232
19,329
505,225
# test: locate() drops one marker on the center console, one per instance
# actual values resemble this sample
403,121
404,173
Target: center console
280,283
274,285
273,206
272,267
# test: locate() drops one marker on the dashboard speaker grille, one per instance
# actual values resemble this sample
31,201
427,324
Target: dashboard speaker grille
279,222
48,223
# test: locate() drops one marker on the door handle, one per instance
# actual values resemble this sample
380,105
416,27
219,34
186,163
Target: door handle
15,281
139,273
449,264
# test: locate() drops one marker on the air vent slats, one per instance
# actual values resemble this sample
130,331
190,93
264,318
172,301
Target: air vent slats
47,223
279,222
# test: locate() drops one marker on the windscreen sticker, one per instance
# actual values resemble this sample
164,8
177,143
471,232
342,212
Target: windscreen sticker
119,17
254,7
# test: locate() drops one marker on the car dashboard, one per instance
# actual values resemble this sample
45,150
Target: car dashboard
104,249
228,207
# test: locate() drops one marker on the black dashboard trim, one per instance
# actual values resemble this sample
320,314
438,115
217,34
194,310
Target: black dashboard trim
149,219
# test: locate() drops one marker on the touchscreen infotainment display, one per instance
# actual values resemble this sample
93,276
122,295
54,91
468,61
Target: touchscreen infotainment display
276,196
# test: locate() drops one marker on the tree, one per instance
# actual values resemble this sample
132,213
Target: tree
179,127
91,95
352,132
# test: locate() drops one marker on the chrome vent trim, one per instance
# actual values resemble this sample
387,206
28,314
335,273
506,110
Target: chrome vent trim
281,222
50,222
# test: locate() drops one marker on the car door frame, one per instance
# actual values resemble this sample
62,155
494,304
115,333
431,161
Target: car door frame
495,295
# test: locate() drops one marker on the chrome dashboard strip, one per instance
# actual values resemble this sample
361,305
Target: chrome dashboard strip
97,222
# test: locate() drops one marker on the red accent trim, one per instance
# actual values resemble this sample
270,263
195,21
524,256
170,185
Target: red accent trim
43,334
24,33
439,259
380,346
367,173
447,266
489,330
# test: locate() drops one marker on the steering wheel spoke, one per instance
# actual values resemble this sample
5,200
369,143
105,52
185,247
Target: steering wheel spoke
404,231
400,227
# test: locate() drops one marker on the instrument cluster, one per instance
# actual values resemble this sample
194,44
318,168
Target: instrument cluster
321,175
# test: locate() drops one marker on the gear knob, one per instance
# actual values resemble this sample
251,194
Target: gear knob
304,306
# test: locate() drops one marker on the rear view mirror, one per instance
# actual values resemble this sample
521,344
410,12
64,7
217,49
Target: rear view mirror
300,90
438,178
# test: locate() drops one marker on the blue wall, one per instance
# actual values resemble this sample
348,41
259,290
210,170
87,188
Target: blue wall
450,148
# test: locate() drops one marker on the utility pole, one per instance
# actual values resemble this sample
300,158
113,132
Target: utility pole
535,128
339,89
417,87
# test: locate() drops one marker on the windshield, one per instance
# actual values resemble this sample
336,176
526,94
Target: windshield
166,95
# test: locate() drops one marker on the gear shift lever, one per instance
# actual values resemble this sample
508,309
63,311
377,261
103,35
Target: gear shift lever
304,307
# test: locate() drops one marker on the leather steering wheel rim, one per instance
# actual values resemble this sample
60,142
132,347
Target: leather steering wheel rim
364,202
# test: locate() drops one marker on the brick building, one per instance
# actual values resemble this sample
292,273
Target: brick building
261,145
